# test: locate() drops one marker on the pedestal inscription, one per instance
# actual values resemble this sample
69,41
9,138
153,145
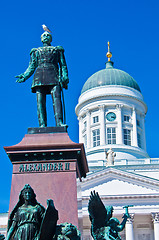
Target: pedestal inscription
50,163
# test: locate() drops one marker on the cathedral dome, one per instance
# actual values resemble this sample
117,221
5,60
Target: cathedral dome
110,76
111,113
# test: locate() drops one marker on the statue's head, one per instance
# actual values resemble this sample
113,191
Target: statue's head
113,222
27,193
46,37
110,210
68,231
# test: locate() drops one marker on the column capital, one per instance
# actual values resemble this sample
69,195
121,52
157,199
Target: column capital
101,107
155,217
79,118
143,115
134,109
83,114
119,106
131,219
87,112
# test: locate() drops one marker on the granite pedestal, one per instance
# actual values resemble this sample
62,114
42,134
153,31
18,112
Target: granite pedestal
50,162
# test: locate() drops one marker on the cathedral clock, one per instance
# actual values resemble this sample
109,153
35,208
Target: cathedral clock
111,116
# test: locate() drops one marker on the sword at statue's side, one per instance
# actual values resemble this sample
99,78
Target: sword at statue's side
63,101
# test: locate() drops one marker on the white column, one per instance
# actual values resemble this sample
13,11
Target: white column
102,125
129,228
155,217
134,122
80,129
88,131
120,127
143,131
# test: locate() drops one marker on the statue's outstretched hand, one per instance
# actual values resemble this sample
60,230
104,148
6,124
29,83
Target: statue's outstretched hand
126,216
20,78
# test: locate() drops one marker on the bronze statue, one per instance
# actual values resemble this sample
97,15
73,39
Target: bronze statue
50,77
29,219
103,225
67,231
2,237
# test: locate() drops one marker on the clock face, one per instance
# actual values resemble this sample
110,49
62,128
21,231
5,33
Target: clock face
111,116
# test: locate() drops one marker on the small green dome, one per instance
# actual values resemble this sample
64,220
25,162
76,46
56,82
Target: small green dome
110,76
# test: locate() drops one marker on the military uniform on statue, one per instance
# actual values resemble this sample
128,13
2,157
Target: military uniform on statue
50,77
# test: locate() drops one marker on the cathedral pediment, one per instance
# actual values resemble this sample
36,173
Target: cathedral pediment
116,182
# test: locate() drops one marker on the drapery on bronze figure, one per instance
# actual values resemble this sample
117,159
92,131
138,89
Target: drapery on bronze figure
51,75
103,225
29,220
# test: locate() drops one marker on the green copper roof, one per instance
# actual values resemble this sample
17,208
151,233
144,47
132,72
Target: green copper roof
110,76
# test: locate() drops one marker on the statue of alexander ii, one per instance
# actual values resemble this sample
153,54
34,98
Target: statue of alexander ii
51,76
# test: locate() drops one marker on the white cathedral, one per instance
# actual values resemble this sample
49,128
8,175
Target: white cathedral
111,113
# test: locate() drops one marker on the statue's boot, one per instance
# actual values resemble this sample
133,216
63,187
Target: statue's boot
41,108
57,105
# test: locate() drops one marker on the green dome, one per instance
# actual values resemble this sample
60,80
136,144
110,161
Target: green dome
110,76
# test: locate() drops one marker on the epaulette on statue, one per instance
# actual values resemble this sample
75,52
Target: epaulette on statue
33,50
60,48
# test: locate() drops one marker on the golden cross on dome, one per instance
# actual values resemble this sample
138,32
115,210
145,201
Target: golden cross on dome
109,54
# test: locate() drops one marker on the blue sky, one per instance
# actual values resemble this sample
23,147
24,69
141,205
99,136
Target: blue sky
83,29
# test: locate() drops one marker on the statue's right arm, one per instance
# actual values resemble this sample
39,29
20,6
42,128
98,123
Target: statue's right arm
11,231
121,226
31,68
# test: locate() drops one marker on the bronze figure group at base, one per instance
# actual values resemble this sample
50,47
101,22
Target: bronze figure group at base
29,220
103,225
